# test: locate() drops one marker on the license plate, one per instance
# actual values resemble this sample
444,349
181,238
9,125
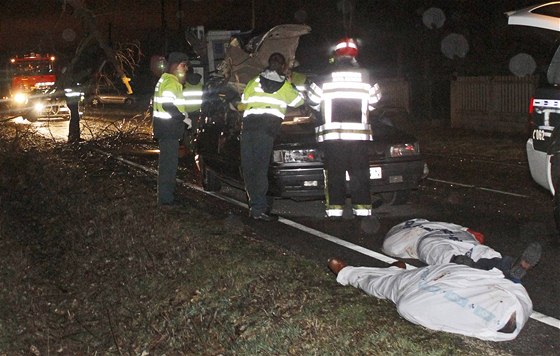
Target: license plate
374,172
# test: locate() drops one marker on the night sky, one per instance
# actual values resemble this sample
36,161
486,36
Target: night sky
392,34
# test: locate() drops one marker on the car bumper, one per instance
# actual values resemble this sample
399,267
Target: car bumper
539,166
309,182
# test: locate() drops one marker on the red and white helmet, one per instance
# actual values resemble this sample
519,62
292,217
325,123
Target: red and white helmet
346,47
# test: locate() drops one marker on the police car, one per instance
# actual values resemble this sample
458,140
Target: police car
543,143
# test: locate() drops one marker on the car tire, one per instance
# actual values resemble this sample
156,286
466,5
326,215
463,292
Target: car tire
398,197
209,180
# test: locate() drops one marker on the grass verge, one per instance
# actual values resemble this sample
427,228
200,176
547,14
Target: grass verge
90,265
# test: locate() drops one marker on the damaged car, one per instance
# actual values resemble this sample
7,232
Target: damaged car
296,166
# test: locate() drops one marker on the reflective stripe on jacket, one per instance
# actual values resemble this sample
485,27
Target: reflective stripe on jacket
346,101
258,102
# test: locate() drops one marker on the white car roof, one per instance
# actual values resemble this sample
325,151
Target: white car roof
546,15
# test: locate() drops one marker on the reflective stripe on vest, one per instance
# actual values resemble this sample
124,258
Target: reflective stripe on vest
167,96
258,102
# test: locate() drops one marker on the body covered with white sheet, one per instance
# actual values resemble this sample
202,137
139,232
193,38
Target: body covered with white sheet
448,297
434,242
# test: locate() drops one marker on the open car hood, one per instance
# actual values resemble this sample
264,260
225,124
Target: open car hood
546,15
244,61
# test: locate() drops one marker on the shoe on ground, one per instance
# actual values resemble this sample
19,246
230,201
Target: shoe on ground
336,264
528,259
265,217
399,263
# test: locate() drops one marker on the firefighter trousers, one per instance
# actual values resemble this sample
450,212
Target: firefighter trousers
347,156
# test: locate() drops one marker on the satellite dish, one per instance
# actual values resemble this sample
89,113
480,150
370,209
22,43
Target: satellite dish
455,45
522,64
433,18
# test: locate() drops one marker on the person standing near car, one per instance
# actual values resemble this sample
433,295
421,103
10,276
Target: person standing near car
346,100
265,99
169,119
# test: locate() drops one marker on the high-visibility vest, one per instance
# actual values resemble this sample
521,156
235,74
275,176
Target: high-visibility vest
258,102
299,80
73,94
168,90
193,96
346,101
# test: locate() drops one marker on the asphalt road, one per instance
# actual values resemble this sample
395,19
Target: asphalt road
497,198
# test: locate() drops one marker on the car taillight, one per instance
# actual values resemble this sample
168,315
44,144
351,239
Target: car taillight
404,149
531,105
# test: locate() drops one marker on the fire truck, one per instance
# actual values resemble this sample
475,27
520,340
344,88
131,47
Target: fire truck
32,88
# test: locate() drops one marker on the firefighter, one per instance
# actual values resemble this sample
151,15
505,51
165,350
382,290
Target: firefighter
265,99
169,120
346,100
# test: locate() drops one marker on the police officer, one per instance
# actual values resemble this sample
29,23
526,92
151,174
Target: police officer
265,99
346,100
169,121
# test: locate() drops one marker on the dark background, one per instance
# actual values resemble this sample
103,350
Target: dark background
394,40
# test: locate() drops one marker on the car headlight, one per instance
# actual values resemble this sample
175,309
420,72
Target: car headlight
293,156
20,98
39,107
404,149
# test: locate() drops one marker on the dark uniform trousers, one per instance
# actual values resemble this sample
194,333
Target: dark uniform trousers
342,156
257,143
167,169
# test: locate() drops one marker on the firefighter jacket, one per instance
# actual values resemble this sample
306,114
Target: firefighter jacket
169,123
346,100
193,96
307,88
270,94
